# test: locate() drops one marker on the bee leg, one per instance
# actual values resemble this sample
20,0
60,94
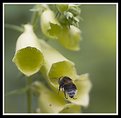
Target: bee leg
65,94
59,85
59,80
59,89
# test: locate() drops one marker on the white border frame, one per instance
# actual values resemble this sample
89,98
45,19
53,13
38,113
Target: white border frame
68,113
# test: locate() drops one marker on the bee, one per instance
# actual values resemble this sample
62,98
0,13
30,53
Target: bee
67,86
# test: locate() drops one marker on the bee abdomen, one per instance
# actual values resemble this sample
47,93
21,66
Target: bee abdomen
70,90
71,93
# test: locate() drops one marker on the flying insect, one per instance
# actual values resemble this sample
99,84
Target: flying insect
67,86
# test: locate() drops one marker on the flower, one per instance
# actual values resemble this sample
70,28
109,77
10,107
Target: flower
50,102
62,28
28,56
69,37
56,66
83,85
47,17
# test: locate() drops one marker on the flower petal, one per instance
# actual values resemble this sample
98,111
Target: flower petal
71,108
59,69
49,102
83,85
70,38
47,17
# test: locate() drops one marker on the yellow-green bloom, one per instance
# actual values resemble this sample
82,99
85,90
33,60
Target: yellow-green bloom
28,56
50,102
47,17
56,66
69,37
83,85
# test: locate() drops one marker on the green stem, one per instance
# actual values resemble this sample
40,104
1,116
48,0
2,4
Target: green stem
29,95
34,17
14,27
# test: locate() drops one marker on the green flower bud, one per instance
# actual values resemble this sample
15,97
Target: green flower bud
75,9
62,7
28,56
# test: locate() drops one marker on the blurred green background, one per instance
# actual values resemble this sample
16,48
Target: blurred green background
96,57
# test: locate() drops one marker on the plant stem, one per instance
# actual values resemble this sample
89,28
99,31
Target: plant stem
34,17
14,27
29,95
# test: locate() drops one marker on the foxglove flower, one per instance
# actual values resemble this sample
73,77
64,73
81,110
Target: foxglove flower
56,66
28,55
